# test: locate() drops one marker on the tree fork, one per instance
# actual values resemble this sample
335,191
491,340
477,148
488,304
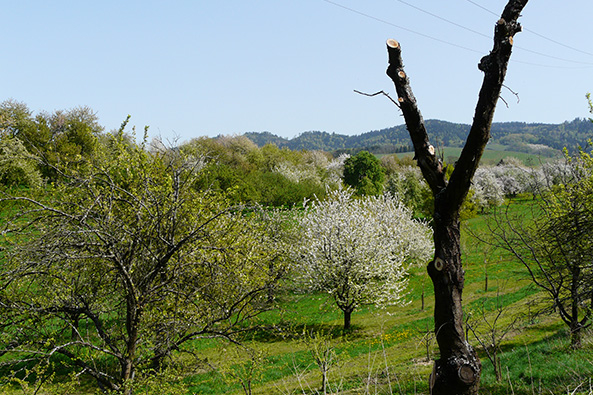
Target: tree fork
458,369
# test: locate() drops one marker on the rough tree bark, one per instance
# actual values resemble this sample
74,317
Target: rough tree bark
457,371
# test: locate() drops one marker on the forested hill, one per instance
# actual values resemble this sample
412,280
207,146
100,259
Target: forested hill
519,135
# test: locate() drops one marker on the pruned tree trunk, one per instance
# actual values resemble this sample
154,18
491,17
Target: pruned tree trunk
458,369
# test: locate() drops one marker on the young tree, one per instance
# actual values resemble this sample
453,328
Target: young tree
457,371
490,326
364,173
552,240
124,264
359,250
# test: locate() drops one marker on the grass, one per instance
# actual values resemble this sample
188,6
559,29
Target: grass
389,350
394,340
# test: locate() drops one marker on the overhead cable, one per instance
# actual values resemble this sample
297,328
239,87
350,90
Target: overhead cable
584,64
401,27
535,33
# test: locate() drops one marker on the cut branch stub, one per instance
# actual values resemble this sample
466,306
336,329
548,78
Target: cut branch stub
494,66
466,374
392,43
429,165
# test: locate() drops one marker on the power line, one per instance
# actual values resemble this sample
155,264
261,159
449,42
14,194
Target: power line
444,19
482,7
535,33
585,64
553,57
488,37
559,43
401,27
483,35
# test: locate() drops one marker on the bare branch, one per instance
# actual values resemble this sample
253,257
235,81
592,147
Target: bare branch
379,93
513,92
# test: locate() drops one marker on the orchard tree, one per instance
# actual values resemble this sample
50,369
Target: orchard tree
334,171
515,177
17,166
457,371
409,186
488,190
364,173
358,250
64,138
120,266
552,239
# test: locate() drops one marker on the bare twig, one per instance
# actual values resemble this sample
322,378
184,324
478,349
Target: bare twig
513,92
378,93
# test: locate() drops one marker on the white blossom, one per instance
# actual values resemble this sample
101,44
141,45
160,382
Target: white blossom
334,170
488,190
295,173
359,250
316,168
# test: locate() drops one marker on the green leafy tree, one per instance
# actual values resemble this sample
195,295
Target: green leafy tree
412,190
270,176
15,117
125,263
364,173
63,139
17,166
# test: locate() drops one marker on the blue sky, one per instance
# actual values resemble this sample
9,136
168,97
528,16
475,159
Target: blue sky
195,68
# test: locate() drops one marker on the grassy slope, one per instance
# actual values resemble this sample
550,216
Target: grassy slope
387,350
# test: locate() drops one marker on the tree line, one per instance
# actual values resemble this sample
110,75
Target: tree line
541,138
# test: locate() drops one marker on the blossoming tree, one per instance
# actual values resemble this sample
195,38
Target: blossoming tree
359,249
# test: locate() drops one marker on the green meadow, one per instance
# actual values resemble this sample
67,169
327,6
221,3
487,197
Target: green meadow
389,351
493,154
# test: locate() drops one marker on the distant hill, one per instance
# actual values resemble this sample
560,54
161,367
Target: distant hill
520,136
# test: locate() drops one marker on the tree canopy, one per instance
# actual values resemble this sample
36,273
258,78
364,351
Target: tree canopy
364,173
125,262
359,250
